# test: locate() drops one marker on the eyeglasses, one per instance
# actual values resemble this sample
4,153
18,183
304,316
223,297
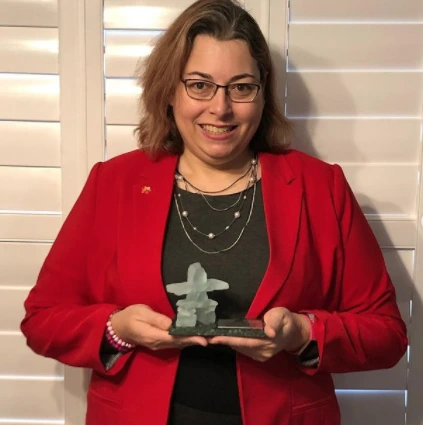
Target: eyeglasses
205,90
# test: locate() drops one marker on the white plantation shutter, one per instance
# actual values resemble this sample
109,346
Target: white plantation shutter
354,92
350,77
30,200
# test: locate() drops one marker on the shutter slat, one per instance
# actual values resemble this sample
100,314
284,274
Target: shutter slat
29,97
18,359
357,140
335,94
32,399
32,13
12,308
122,101
125,51
30,144
395,233
148,15
120,139
30,189
20,263
380,188
29,50
325,47
356,10
392,379
400,265
29,227
372,407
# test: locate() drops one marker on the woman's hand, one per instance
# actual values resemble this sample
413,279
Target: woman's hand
285,331
138,324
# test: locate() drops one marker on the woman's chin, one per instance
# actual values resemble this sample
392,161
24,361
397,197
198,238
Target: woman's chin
225,151
220,156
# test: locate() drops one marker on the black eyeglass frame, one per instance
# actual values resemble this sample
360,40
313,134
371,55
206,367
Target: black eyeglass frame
218,86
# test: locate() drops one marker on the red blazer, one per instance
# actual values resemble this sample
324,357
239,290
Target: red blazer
324,259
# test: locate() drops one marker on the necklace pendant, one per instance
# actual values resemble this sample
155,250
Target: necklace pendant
211,236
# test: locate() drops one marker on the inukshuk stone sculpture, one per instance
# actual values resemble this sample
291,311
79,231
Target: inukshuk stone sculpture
197,306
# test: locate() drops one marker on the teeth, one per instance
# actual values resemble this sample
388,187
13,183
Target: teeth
217,130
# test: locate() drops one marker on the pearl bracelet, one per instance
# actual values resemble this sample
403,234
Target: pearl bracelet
116,342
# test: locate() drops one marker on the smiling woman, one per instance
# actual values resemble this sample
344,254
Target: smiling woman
217,131
214,183
175,49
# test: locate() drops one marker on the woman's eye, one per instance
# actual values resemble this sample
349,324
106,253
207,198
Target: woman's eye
198,86
244,88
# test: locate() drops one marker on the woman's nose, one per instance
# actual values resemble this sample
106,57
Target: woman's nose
220,104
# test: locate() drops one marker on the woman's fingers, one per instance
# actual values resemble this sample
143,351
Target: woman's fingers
153,318
255,348
236,342
143,326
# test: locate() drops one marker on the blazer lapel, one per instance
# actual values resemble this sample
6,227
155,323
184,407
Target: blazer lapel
282,198
143,229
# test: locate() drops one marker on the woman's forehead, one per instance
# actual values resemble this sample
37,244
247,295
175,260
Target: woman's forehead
220,59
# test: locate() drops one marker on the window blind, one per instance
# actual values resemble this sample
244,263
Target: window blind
354,78
30,200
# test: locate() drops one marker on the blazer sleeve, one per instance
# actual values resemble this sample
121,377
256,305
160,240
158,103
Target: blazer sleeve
366,331
62,321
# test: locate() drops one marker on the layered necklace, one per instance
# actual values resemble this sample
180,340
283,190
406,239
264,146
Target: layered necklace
238,206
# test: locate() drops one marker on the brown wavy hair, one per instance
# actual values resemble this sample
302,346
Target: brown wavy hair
223,20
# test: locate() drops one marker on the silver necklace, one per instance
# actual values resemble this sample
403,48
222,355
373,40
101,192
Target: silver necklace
180,177
242,195
236,215
211,235
230,206
253,168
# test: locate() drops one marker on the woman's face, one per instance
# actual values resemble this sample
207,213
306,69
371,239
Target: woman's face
218,131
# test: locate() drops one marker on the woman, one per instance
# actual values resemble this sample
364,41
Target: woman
214,182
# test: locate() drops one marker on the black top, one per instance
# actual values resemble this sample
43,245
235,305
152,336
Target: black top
206,378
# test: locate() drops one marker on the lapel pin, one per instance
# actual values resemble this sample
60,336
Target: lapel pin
146,190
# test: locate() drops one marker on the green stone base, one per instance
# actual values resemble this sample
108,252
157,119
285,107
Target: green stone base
244,328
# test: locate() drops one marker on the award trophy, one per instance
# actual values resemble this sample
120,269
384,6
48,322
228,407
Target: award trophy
196,313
